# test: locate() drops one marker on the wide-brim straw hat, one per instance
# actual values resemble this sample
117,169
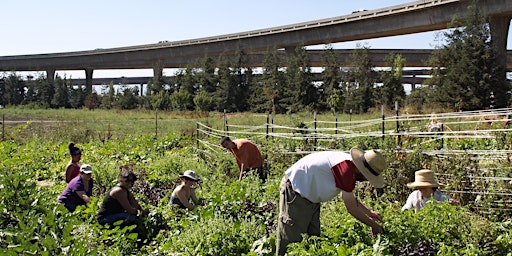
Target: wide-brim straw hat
190,174
424,178
370,163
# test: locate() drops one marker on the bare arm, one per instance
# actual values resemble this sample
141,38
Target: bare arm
193,195
181,195
361,212
82,195
135,203
121,196
69,170
241,171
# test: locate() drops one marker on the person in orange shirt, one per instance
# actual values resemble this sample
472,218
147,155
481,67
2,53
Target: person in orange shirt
247,155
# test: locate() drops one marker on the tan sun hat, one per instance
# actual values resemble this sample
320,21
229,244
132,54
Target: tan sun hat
370,163
424,178
190,174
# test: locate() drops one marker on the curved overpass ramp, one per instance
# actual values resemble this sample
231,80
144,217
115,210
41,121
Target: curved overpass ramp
414,17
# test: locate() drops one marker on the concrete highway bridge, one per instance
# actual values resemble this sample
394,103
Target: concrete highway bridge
409,18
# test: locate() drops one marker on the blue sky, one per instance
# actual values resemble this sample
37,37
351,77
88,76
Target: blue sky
38,27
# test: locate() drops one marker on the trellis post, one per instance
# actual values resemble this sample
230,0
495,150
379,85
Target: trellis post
397,125
383,125
266,133
314,134
336,124
226,129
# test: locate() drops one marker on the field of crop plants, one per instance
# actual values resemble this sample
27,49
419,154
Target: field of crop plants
239,217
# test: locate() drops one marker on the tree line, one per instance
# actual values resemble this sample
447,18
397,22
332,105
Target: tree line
465,74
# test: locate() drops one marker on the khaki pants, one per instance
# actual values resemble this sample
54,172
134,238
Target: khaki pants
297,215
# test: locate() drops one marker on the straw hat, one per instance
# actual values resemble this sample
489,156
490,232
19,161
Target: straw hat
370,163
190,174
424,178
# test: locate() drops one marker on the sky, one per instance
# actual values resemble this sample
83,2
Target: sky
40,27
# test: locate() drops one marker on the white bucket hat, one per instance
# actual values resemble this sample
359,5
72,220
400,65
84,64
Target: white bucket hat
370,163
191,175
86,169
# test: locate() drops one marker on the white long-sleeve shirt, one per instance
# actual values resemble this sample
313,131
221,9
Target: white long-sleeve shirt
416,201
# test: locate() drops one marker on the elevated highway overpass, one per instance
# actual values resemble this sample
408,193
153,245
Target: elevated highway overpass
413,17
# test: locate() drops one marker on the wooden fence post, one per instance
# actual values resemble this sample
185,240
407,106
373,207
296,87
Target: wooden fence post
397,125
336,124
314,140
226,129
197,134
383,125
266,133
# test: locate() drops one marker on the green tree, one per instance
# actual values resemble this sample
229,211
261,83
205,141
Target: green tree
161,101
392,89
361,80
61,96
14,92
467,71
330,90
127,99
181,100
206,75
203,101
226,92
108,99
272,80
299,91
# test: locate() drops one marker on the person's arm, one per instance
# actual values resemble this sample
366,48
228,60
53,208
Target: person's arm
121,196
180,194
409,203
136,204
361,212
84,196
241,171
193,196
69,171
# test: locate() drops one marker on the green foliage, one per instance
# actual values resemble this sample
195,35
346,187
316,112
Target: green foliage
467,74
235,217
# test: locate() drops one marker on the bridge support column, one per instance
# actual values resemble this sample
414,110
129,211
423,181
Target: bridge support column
50,75
157,75
499,26
413,84
88,80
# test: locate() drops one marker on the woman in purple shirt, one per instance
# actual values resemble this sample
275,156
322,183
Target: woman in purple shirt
78,190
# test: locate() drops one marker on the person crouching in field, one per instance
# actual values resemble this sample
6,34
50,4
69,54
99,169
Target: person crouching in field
425,186
73,168
186,191
247,155
319,177
78,190
119,202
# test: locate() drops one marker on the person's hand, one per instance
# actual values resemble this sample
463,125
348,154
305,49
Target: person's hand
452,201
377,229
375,216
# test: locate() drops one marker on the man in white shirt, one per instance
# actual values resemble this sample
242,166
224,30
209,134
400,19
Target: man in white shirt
319,177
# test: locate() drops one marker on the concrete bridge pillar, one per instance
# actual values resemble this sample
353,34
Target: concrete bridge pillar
158,71
50,75
499,26
88,79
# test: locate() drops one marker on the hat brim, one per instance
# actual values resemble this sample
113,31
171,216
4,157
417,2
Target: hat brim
190,177
423,184
357,158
